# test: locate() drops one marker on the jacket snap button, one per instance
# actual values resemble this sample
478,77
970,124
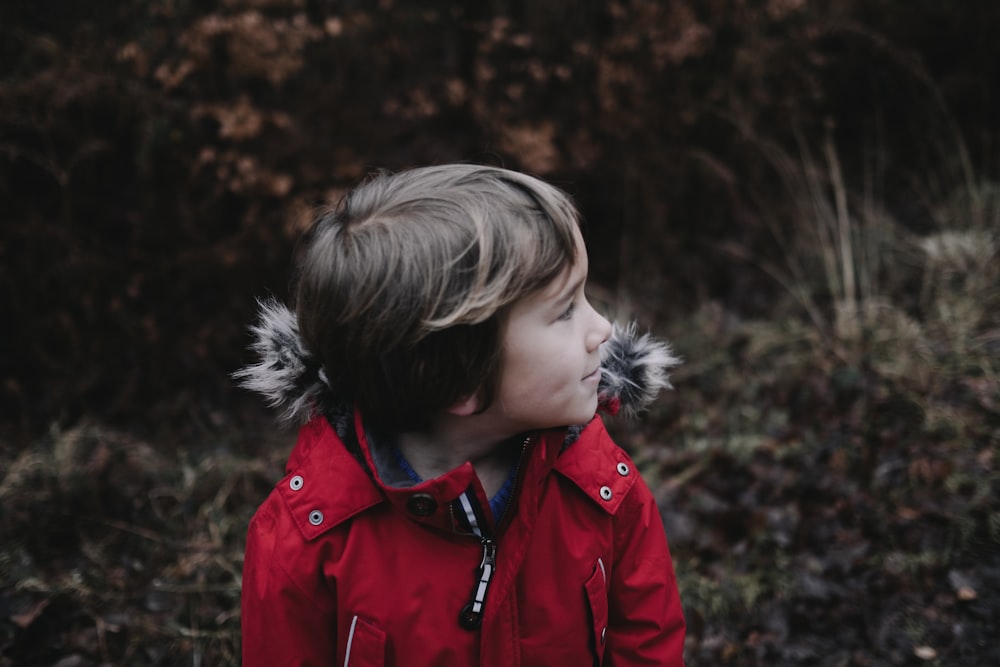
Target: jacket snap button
606,492
295,483
421,504
604,632
315,517
623,469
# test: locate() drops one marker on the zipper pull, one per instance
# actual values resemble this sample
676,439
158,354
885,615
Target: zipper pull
471,616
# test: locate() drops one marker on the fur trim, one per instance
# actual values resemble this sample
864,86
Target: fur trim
287,374
634,370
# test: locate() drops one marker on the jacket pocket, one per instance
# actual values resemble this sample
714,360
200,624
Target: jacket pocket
365,644
597,598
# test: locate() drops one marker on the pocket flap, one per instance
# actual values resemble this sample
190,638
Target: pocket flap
365,644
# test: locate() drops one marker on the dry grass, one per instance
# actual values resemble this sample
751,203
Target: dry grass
122,552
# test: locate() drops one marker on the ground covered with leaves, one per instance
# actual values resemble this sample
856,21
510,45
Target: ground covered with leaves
826,516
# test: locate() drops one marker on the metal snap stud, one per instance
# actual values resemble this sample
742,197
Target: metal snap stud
604,633
623,469
315,517
606,492
421,504
295,483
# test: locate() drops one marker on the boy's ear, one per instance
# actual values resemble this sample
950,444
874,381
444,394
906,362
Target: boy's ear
465,407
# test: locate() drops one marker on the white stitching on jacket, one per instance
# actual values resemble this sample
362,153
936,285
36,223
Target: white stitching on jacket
350,640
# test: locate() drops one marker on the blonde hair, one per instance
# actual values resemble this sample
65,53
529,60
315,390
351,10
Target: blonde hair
402,288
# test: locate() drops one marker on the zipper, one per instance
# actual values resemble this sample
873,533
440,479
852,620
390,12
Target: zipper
471,616
517,482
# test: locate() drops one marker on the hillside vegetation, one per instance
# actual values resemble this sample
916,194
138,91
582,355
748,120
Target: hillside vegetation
803,196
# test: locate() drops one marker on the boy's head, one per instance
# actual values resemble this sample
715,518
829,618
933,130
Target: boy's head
403,288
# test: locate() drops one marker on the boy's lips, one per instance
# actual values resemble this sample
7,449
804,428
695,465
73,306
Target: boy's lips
593,375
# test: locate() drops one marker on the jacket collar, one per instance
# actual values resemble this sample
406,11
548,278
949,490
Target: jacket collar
325,484
601,469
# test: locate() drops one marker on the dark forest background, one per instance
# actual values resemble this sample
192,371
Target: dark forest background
803,195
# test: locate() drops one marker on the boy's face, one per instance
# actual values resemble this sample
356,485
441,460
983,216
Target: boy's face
552,358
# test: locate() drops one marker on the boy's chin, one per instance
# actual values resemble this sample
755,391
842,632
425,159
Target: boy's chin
569,416
581,417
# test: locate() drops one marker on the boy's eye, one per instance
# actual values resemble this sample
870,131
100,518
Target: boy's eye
568,313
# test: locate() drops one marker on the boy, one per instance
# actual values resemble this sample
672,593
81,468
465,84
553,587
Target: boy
452,498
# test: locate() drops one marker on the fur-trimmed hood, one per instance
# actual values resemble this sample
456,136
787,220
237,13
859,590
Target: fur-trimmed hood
634,368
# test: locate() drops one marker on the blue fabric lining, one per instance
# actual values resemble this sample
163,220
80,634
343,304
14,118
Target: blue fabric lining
405,465
498,503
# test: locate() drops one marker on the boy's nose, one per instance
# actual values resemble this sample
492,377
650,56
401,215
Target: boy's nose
600,332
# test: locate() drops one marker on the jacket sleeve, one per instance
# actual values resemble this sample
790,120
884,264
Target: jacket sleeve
288,615
646,621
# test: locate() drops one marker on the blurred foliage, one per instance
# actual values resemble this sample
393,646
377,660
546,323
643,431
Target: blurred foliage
802,194
158,159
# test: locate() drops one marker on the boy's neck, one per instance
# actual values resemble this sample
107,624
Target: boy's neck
451,441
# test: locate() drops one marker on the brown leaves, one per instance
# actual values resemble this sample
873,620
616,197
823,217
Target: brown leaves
535,145
257,46
27,617
114,553
821,513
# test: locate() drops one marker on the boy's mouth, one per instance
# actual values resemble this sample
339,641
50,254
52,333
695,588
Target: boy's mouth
594,375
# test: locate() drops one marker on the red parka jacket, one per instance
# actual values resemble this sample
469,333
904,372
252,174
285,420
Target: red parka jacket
344,569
